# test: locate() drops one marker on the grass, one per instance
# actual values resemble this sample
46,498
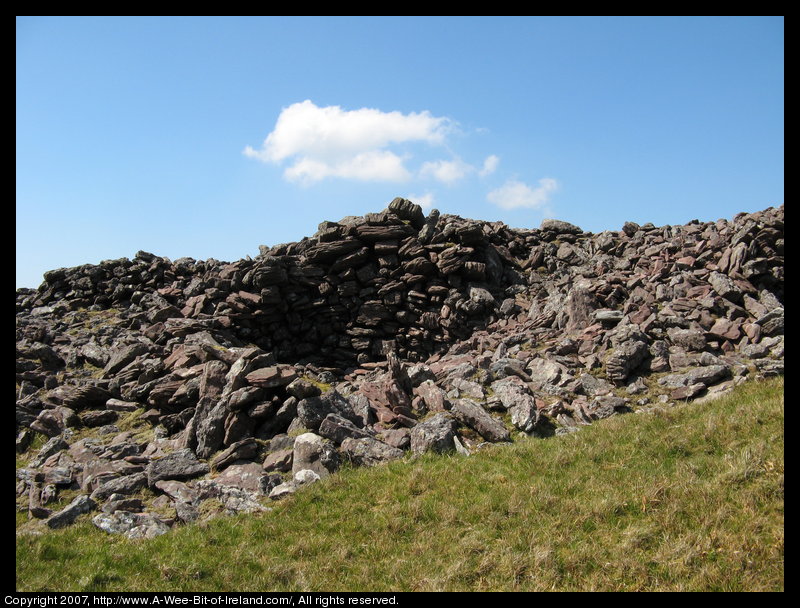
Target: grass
685,499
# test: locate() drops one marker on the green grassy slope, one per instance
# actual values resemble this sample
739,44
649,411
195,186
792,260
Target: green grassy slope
686,499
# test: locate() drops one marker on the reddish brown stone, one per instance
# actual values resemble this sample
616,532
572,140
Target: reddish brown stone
271,377
726,329
687,392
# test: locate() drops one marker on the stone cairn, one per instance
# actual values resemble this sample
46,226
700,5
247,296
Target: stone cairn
161,385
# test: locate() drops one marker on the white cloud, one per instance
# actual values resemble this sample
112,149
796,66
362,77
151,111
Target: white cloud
374,165
426,201
322,142
446,171
490,165
515,194
451,171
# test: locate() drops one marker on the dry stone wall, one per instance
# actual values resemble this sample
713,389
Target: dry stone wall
359,288
381,335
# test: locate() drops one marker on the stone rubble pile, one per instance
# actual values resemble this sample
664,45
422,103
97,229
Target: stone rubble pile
172,391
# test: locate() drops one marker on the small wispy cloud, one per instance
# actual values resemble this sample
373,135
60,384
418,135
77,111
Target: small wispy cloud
515,194
322,142
426,201
446,171
451,171
489,165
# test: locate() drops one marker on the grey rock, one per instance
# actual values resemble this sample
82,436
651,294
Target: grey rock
98,418
511,391
315,453
406,210
559,226
474,416
306,476
466,388
60,475
769,367
337,429
706,376
768,300
210,431
607,406
625,359
245,449
234,500
725,287
131,525
119,502
608,316
690,339
592,386
180,465
772,323
245,476
55,421
525,416
397,438
118,405
178,491
545,373
122,357
67,516
53,446
279,460
283,490
755,351
482,296
368,451
302,389
312,411
49,494
127,484
435,434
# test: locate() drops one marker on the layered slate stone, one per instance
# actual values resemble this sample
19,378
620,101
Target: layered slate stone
179,465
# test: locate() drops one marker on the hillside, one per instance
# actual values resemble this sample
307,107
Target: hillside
154,393
689,498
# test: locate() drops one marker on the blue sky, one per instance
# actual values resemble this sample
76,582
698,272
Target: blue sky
206,137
